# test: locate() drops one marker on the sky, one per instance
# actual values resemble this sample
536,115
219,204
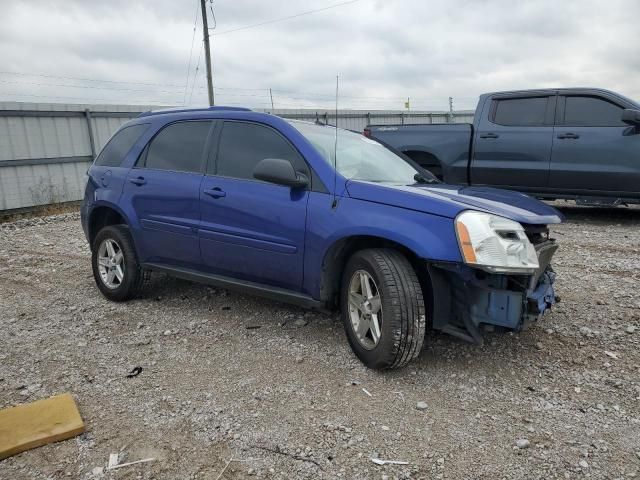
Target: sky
384,51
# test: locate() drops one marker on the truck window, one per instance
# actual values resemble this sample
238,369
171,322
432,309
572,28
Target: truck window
591,112
117,148
520,111
178,147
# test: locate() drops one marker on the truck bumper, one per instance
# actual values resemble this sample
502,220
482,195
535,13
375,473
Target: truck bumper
467,301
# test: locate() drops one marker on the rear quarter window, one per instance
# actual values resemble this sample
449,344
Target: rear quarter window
119,145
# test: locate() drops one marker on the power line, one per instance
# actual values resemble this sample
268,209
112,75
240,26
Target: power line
195,75
263,92
90,79
367,102
320,96
193,38
282,19
92,87
144,102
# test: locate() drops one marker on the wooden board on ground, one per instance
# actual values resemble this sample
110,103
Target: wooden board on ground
35,424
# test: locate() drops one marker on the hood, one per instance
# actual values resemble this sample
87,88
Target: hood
450,200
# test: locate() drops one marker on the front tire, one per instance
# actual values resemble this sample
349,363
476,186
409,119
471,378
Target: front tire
382,308
116,270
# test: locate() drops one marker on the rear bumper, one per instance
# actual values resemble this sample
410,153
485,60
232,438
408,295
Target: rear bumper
467,301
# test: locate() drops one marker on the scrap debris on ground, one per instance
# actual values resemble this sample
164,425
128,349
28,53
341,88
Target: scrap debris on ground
221,398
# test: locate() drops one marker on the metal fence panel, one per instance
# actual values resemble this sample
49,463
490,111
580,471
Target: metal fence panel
45,149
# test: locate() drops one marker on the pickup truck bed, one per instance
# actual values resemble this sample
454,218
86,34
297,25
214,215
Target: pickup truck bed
581,144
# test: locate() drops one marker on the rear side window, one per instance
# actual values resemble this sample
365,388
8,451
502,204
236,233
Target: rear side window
117,148
592,112
243,145
520,111
178,147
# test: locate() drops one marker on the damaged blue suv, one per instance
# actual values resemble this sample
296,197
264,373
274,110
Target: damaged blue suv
316,216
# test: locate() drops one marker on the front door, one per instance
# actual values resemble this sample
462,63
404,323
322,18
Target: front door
512,146
164,190
252,230
594,152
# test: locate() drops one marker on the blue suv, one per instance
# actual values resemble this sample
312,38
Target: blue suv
316,216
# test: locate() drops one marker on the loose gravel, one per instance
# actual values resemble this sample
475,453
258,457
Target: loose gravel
234,386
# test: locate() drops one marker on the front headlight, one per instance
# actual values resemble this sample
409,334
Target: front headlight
494,243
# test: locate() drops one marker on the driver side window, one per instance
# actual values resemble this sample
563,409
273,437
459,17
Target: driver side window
592,112
243,145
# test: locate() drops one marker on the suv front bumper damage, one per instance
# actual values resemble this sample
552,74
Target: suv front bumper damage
468,301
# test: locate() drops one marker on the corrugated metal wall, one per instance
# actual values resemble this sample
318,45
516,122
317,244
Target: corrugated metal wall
45,149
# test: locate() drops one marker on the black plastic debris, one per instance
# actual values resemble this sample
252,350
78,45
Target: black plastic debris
135,372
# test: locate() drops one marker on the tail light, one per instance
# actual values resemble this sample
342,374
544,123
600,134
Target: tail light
367,133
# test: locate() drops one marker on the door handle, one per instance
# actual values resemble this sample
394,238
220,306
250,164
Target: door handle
215,192
489,135
568,135
138,181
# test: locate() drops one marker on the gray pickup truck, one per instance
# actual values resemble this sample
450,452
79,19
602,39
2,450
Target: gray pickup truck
581,144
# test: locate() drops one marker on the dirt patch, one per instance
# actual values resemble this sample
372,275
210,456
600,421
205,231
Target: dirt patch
8,216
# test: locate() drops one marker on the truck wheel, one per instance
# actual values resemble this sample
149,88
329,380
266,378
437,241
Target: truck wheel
382,308
115,264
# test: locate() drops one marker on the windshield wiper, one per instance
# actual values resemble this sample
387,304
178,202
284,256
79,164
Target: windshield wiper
419,178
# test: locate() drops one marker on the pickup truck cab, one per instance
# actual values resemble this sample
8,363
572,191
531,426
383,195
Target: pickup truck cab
316,216
581,144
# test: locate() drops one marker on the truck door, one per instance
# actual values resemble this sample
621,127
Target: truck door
512,146
594,152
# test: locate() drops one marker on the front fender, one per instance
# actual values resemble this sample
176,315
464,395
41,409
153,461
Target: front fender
431,237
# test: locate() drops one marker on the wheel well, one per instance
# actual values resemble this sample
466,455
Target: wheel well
337,256
426,160
102,217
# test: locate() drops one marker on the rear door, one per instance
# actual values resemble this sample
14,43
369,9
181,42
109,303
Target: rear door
107,172
512,146
252,230
594,152
164,190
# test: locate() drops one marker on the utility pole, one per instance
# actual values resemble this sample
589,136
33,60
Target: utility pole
271,95
207,51
450,109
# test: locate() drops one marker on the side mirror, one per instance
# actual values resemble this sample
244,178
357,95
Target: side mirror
280,172
630,116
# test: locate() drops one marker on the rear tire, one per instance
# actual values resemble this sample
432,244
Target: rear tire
394,336
116,269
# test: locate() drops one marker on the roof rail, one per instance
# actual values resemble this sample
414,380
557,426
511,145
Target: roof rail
196,109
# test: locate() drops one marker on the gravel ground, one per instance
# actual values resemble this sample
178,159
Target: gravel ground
277,391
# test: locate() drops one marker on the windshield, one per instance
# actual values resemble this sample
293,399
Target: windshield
359,158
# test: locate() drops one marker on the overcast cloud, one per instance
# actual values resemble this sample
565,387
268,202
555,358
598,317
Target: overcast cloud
384,51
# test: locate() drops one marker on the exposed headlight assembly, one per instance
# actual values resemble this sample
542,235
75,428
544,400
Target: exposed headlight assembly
494,243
